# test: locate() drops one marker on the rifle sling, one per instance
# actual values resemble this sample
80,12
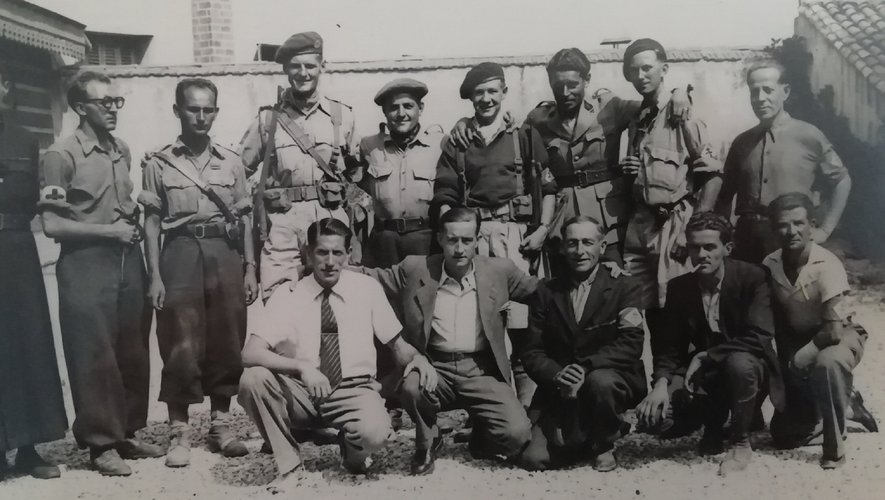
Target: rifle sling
193,177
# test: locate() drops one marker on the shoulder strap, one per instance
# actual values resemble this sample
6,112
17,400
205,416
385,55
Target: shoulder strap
517,162
335,108
270,152
192,176
300,137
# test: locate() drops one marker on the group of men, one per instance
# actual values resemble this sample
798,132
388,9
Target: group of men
450,308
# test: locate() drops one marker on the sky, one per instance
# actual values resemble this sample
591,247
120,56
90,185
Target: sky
361,30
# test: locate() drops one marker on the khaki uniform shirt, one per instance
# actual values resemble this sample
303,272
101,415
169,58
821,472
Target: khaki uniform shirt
179,200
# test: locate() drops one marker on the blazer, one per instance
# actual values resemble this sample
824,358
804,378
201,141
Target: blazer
745,319
609,335
413,283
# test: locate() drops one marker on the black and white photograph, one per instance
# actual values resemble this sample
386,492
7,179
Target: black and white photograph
419,249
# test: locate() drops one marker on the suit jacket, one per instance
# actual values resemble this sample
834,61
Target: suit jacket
609,335
413,284
745,320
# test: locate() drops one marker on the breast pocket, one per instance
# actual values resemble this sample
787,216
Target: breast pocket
182,196
423,182
222,182
383,183
592,337
613,198
664,176
590,151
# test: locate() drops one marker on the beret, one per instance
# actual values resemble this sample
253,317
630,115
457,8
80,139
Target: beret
308,42
406,85
642,45
481,73
569,60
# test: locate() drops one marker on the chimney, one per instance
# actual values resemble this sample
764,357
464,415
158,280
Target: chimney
213,31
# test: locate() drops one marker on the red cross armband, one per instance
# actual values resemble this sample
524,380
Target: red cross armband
53,197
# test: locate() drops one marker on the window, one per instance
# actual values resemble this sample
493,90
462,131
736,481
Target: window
111,49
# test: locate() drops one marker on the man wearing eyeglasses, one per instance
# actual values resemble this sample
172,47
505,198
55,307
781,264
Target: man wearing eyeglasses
195,194
86,203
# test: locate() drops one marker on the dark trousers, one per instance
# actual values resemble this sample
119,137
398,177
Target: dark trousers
816,400
500,423
105,321
731,386
202,326
753,239
564,429
386,248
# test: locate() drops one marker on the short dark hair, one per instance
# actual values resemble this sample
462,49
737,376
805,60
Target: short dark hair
571,59
709,221
328,227
459,214
789,201
187,83
768,64
77,89
580,219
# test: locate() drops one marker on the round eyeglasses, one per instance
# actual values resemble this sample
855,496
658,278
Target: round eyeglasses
109,102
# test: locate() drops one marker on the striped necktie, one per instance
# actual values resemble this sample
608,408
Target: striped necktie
330,352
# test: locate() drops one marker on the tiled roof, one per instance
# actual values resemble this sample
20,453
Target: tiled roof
856,29
258,68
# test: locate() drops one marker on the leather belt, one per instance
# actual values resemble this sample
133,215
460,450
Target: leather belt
201,231
15,222
444,356
293,194
406,225
583,178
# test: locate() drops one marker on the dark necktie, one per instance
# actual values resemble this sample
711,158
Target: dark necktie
330,352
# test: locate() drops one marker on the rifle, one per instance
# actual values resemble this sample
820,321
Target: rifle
537,262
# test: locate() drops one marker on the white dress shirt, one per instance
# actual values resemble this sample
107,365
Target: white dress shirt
457,326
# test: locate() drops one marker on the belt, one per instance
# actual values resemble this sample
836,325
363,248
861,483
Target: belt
583,178
406,225
201,231
293,194
444,356
15,222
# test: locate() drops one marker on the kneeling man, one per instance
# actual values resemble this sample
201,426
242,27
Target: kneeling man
584,349
311,359
718,332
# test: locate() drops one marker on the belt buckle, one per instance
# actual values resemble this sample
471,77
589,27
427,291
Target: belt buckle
399,225
199,231
582,178
302,193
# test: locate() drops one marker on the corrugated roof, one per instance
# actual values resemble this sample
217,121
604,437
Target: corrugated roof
856,29
398,65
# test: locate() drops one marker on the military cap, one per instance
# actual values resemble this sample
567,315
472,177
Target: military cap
308,42
642,45
404,85
569,60
481,73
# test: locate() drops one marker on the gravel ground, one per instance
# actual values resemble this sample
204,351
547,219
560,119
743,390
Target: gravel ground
649,468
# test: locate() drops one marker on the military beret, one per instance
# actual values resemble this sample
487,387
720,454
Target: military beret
404,85
569,60
308,42
642,45
481,73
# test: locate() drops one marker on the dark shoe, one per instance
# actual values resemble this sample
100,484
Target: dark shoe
605,461
133,449
28,461
674,429
832,463
463,435
222,440
860,413
109,463
423,460
737,459
712,443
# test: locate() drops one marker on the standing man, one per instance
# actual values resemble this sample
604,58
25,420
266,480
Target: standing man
584,350
453,304
779,155
311,360
817,343
86,204
304,144
195,194
717,335
495,176
31,406
398,173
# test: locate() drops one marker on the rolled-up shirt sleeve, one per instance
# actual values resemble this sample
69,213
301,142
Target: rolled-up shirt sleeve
275,325
832,170
151,195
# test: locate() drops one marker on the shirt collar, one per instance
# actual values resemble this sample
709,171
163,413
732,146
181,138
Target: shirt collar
589,280
90,144
775,263
319,105
718,288
501,128
418,140
338,289
180,148
782,120
469,279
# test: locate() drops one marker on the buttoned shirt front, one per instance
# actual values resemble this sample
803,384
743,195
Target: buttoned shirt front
766,162
456,325
85,181
710,300
400,180
178,199
580,293
799,305
294,166
291,319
